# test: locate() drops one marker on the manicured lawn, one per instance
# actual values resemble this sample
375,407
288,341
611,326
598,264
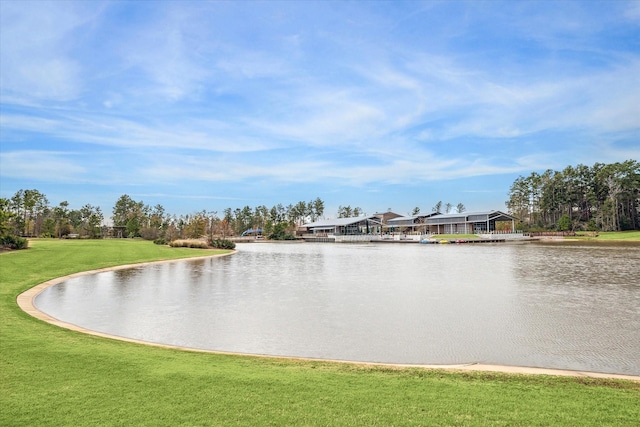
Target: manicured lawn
52,376
628,236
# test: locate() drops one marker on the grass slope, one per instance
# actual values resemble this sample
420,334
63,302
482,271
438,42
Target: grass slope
628,236
52,376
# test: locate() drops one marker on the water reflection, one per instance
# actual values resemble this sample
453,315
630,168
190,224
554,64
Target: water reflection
562,306
582,304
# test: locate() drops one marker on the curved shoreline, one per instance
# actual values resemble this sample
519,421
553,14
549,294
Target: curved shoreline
25,301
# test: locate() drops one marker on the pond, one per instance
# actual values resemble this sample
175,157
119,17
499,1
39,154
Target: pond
554,305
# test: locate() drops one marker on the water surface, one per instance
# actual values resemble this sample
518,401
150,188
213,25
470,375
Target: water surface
559,305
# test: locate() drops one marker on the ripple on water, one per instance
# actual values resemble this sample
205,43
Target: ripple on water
558,306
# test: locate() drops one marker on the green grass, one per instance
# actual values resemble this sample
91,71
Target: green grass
455,236
51,376
629,236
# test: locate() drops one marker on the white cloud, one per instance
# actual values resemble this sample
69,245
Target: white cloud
165,55
37,40
41,166
633,11
208,135
327,117
313,94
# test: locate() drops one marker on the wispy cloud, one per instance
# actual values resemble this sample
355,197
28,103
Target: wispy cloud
94,129
313,95
41,166
38,60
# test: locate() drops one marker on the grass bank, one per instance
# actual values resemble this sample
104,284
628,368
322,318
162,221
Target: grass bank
627,236
52,376
455,236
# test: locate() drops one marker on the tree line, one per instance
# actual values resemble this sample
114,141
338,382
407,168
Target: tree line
278,222
29,214
603,197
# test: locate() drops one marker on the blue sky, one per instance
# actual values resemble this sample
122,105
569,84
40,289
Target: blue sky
208,105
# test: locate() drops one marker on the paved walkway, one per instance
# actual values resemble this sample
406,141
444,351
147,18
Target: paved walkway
25,301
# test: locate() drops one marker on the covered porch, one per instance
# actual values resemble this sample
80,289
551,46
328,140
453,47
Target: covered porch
471,223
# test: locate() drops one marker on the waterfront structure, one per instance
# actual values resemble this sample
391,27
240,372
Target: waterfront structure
469,222
409,224
372,228
255,232
384,217
344,226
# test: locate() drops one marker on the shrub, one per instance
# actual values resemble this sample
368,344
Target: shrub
280,232
149,233
14,242
564,223
160,241
223,244
196,244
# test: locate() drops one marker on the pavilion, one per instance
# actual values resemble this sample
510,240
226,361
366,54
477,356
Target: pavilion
344,226
412,223
468,222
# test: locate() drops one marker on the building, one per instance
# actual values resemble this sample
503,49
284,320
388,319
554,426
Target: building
469,222
372,228
343,226
384,217
409,224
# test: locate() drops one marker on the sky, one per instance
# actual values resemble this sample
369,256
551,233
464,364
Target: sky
207,105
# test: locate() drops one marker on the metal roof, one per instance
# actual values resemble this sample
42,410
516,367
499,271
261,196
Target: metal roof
412,217
489,215
329,223
251,230
403,218
432,218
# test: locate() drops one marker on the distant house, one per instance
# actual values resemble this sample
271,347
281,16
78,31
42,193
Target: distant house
468,222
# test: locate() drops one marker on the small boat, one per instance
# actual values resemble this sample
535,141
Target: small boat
428,241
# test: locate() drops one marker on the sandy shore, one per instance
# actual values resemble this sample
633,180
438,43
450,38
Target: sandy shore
25,302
